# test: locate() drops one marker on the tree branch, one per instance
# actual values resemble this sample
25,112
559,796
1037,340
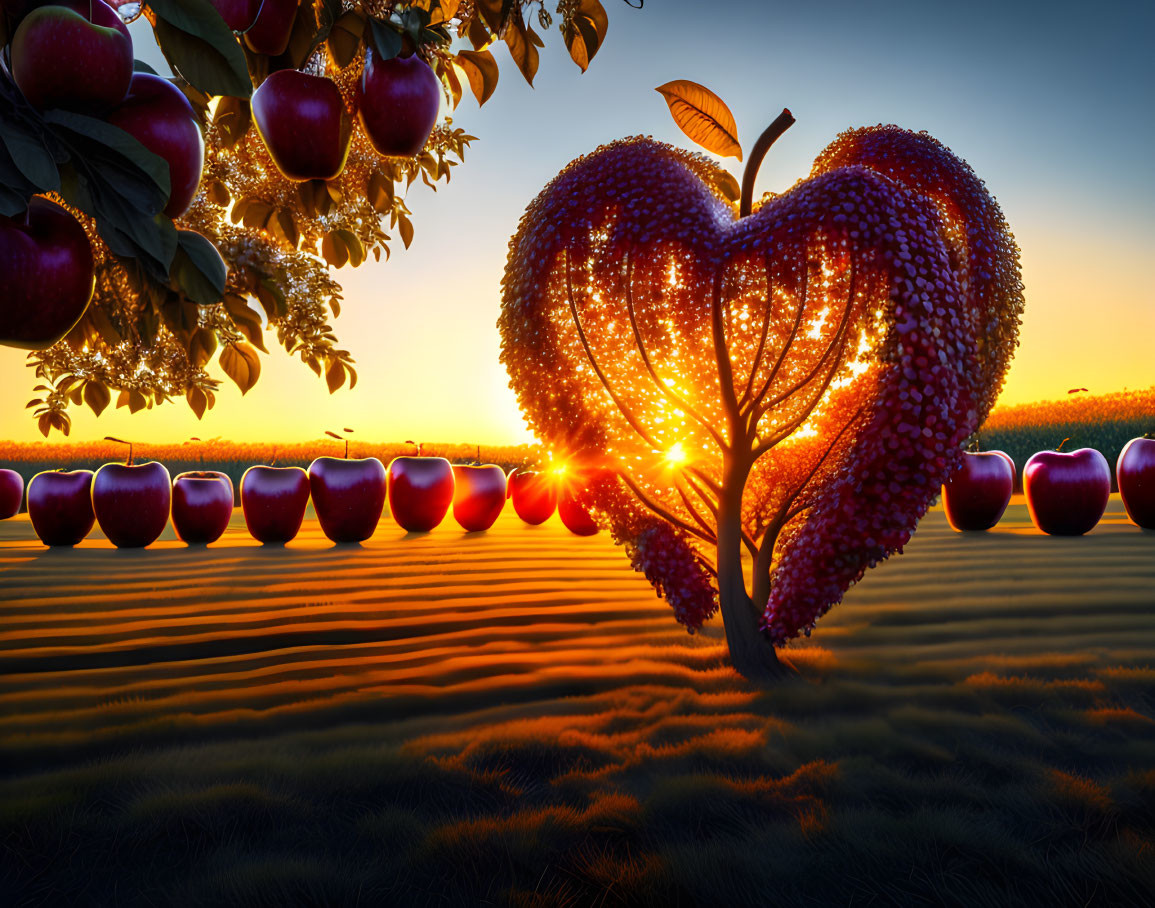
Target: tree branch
762,340
786,347
621,405
665,514
669,392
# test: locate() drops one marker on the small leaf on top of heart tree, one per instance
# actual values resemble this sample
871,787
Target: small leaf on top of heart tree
702,116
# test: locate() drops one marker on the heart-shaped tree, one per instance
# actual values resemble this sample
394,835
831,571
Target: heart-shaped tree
776,395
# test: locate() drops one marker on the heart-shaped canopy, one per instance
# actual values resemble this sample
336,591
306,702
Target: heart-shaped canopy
790,387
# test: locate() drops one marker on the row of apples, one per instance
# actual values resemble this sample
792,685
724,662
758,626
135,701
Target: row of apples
1066,493
133,502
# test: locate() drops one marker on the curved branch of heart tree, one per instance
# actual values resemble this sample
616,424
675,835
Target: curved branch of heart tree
797,382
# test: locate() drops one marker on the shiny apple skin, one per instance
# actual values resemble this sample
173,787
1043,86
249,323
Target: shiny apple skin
420,491
478,495
304,124
73,54
46,275
534,496
573,514
398,102
273,28
60,506
158,115
976,496
132,503
202,505
1135,474
1067,493
348,496
273,500
11,493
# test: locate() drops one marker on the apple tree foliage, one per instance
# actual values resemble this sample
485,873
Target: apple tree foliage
771,400
163,309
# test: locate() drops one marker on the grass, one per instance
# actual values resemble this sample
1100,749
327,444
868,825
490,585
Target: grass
513,719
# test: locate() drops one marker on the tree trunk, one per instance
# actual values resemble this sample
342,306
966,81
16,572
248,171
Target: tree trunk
751,653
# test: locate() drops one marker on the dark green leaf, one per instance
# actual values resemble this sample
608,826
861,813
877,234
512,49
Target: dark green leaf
198,45
31,157
386,41
140,66
122,149
198,268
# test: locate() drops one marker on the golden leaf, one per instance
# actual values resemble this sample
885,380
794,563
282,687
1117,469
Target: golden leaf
702,116
481,70
242,364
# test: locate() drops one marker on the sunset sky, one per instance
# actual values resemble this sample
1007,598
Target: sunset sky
1053,104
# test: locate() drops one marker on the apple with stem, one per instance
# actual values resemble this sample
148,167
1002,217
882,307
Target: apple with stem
1135,474
202,505
273,27
273,500
159,116
1067,493
976,496
11,493
46,275
421,489
534,495
478,495
398,101
73,54
348,495
131,501
60,506
304,124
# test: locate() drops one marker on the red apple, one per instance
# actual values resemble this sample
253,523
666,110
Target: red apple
202,505
977,494
534,495
397,101
420,491
75,55
573,513
239,15
1135,473
303,122
1067,493
132,502
270,33
11,493
273,500
348,496
159,116
478,495
60,506
46,275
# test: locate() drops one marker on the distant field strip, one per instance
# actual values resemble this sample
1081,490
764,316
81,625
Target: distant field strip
102,649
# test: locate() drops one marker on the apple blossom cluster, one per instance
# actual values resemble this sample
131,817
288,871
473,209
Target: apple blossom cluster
803,377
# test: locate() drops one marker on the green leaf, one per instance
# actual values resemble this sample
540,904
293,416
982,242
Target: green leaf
198,268
121,149
31,157
232,118
386,41
139,66
345,37
197,44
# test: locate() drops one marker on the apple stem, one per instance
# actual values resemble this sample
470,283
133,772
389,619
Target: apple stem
1063,442
346,449
781,123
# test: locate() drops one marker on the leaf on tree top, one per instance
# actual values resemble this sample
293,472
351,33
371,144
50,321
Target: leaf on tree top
703,117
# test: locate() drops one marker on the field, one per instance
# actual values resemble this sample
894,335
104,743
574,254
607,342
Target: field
512,718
